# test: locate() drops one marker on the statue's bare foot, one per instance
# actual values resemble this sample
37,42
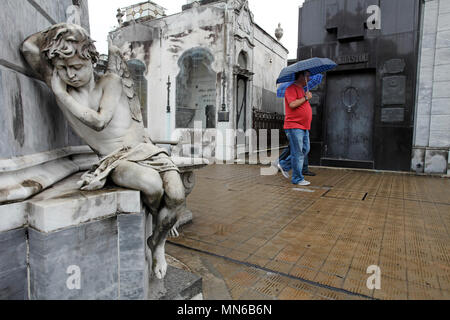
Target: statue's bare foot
173,233
159,263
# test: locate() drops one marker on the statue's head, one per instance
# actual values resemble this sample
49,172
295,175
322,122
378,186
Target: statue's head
71,51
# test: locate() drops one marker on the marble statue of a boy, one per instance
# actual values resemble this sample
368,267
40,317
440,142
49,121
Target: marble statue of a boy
105,113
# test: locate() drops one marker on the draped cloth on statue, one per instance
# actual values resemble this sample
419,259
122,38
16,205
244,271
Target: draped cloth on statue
145,154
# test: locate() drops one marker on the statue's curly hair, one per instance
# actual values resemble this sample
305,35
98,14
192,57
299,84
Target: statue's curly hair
67,40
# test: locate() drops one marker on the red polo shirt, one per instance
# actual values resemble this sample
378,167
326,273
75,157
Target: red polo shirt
298,118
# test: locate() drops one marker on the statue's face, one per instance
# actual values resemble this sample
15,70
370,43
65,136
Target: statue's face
75,72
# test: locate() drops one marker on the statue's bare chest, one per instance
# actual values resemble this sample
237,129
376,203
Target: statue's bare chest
91,99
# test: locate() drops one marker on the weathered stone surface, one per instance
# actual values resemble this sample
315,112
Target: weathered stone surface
178,285
13,216
444,21
133,266
71,210
436,161
440,90
394,66
440,138
394,90
442,56
424,108
430,17
422,131
443,39
442,73
418,160
13,265
441,106
392,115
91,247
29,119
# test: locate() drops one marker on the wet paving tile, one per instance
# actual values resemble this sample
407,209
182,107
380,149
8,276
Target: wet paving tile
328,233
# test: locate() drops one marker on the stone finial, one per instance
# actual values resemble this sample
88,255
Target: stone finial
279,32
119,17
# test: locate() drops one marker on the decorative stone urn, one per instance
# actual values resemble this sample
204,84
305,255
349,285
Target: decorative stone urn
279,32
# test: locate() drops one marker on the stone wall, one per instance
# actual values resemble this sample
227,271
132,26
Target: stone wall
271,57
30,121
432,133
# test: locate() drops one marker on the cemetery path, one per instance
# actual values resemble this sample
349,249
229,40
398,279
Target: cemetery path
267,239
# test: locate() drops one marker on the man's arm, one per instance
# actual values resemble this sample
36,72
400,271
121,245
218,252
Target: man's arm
299,102
96,120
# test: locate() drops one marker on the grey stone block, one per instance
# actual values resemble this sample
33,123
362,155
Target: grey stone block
13,265
430,17
418,160
441,107
178,285
92,247
440,123
436,161
442,57
443,39
442,73
444,21
444,6
133,265
424,108
427,56
422,131
440,90
440,138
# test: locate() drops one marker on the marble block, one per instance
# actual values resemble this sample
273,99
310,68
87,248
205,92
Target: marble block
109,255
13,265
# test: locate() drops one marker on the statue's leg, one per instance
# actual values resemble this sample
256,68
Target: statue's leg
134,176
173,205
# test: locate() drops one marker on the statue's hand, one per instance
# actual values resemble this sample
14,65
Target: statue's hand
58,85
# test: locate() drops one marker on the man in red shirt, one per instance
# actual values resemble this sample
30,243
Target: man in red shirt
297,125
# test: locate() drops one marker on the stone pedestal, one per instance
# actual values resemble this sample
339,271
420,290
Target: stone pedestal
67,244
82,245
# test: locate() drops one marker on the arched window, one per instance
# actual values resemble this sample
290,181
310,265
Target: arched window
137,69
242,60
196,90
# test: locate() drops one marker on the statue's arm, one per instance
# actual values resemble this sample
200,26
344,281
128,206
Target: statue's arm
31,51
96,120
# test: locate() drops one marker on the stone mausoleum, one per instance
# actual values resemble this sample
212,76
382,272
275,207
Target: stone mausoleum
386,106
210,64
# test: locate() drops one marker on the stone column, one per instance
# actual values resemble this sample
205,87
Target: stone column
432,134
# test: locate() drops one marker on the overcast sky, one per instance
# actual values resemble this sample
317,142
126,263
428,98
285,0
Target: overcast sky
268,13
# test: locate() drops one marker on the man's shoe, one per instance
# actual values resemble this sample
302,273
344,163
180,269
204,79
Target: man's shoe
303,183
284,173
309,173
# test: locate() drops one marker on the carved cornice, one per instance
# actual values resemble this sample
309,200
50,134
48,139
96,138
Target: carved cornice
240,38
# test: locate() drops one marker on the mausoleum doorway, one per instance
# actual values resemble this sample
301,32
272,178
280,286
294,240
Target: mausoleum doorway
349,120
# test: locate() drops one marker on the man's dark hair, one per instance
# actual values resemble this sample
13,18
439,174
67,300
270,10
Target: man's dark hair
298,74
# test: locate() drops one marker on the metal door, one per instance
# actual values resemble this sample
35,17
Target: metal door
349,117
241,103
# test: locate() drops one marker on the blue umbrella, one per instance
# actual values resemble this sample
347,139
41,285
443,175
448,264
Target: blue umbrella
313,65
312,83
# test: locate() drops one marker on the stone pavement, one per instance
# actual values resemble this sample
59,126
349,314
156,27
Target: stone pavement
268,239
